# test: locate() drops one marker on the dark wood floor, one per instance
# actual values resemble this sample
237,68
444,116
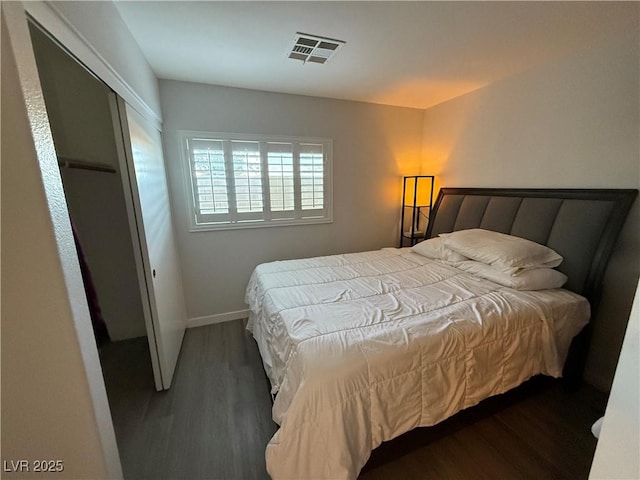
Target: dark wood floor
215,421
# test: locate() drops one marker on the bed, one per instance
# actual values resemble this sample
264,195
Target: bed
360,348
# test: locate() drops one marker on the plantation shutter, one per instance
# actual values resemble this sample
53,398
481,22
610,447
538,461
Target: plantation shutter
281,180
240,180
312,185
209,180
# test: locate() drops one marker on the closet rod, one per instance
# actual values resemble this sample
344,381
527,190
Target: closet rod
68,162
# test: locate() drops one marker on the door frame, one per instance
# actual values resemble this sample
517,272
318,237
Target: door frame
51,20
46,14
55,24
22,48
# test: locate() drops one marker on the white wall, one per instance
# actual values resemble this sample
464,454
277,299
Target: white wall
95,33
78,109
573,123
372,147
53,401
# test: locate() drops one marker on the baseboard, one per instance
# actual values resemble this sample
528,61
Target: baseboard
218,318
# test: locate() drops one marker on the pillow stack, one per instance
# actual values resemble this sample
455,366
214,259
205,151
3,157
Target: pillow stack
510,261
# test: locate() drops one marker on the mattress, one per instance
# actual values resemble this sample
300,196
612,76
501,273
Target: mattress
363,347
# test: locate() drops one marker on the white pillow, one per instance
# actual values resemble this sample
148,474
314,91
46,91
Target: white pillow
435,248
500,250
530,279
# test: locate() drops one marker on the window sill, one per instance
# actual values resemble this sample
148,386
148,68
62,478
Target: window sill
210,227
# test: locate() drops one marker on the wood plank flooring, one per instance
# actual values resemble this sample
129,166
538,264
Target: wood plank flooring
215,421
537,431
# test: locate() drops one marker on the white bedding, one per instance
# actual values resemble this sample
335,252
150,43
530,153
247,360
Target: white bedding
364,347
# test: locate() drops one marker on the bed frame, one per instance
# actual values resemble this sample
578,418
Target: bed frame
581,225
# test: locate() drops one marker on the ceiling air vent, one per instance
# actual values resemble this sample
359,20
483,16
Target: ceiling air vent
312,48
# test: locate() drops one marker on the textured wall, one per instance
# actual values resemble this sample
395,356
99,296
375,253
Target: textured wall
53,401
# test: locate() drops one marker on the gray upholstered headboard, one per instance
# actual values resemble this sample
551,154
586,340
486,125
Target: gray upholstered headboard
581,225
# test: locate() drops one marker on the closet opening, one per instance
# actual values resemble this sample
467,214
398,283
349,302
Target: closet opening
83,115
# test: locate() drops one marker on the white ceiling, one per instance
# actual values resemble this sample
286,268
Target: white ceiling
414,54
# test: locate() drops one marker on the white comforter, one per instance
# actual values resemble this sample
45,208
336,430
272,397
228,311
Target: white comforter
364,347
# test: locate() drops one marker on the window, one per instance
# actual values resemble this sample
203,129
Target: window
241,181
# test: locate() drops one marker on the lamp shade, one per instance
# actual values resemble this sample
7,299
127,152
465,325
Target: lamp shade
418,188
417,200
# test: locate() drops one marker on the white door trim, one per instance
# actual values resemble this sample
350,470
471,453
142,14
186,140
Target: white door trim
54,22
17,29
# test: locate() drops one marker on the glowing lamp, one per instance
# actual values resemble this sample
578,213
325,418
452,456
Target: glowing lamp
417,199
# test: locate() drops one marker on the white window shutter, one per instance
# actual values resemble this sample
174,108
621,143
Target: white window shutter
241,181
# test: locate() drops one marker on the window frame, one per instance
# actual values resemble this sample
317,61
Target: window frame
268,218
